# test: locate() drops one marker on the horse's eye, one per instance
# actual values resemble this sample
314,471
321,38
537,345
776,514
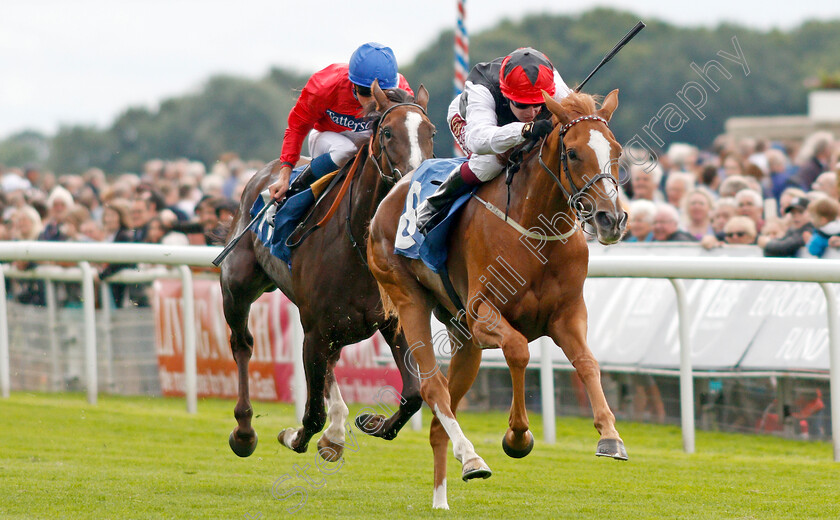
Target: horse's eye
386,132
572,155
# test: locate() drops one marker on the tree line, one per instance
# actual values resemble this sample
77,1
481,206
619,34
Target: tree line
248,117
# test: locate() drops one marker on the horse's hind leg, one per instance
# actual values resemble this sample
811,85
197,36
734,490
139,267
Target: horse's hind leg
568,330
463,369
410,400
242,282
316,352
331,444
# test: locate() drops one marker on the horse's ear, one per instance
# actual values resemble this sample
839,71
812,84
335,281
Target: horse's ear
554,107
422,97
609,105
378,95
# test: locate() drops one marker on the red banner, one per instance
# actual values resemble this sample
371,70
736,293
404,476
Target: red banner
360,377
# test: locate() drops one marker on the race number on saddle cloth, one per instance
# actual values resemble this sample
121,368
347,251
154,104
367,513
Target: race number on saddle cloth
274,228
431,248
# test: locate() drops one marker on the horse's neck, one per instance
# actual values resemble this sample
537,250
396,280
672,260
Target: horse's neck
368,191
535,199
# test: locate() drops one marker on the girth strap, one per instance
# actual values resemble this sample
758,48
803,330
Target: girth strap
450,289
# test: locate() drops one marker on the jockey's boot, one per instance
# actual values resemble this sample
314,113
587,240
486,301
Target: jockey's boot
432,210
302,181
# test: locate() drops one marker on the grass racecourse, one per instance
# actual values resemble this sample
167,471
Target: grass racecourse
147,458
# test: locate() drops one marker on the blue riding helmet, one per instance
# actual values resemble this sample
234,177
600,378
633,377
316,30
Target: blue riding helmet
374,61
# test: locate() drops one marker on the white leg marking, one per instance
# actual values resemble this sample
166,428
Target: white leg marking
412,124
288,440
461,446
338,413
439,498
601,146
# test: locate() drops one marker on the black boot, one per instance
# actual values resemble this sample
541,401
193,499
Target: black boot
433,209
302,182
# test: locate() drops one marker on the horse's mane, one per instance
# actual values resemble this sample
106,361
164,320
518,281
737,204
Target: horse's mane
579,104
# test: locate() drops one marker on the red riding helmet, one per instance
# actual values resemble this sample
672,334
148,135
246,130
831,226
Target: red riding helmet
525,73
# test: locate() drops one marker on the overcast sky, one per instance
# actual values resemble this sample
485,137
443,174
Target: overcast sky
85,61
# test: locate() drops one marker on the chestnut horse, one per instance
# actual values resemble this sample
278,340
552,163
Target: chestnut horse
537,283
329,282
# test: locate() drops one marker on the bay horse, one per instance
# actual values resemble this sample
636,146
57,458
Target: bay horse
537,280
329,282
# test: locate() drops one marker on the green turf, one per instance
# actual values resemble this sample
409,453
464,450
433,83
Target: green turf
147,458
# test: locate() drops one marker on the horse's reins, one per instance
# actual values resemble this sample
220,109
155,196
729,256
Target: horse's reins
397,174
572,199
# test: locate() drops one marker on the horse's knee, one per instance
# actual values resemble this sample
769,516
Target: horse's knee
518,356
412,402
433,388
587,367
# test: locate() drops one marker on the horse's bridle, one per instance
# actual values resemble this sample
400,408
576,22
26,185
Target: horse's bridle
395,173
573,198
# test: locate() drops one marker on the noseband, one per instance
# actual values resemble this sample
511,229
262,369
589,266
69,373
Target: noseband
573,195
395,173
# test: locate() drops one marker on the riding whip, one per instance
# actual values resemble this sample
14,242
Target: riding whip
229,247
627,37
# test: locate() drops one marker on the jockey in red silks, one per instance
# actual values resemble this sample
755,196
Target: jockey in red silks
501,106
330,110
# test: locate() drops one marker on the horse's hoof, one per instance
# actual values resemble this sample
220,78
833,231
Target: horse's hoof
242,449
514,452
371,424
611,448
288,437
475,468
329,451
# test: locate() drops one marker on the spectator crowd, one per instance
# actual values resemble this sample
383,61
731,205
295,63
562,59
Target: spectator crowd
170,203
781,197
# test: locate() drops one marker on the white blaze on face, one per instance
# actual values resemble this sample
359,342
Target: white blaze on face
601,147
412,124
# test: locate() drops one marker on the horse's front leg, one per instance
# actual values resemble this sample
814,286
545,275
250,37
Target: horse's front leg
316,353
568,330
242,282
518,440
409,399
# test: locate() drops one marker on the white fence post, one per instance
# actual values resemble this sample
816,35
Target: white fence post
105,298
686,372
52,323
834,370
190,377
5,377
547,390
89,305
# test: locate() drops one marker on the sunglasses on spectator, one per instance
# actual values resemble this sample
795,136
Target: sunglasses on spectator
737,234
525,106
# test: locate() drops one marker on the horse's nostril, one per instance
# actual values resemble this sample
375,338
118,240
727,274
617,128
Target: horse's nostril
604,219
622,220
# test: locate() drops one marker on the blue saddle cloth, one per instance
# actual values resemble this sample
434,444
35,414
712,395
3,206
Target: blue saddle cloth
285,220
431,249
